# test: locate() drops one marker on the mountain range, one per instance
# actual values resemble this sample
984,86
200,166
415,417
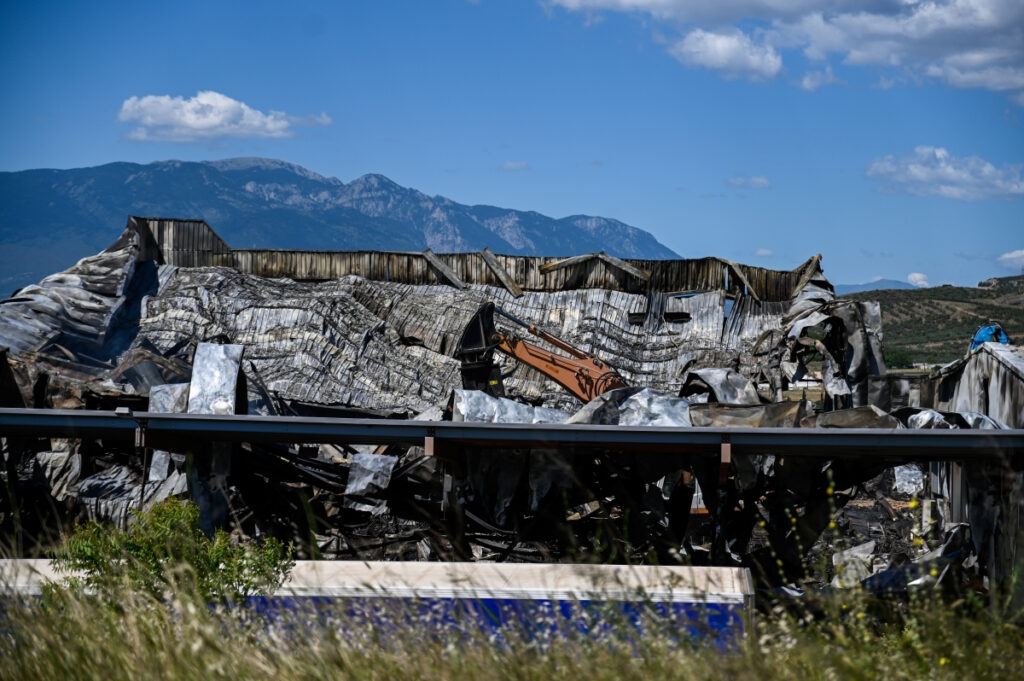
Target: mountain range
51,218
877,285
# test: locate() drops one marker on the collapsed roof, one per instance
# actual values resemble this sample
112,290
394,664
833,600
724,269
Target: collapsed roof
378,330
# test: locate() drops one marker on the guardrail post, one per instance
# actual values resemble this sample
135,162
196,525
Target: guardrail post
725,459
142,452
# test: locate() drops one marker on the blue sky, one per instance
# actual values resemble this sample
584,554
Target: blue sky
887,135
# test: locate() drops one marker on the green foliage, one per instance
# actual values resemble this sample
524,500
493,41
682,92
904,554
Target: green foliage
163,547
898,358
847,635
833,635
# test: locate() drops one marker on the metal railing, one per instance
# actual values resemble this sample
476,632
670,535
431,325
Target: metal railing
828,443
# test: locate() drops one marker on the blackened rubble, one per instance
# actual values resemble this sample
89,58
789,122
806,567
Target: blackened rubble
373,335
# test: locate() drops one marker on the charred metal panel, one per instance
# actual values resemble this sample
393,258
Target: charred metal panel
170,398
215,375
74,307
989,380
217,387
749,319
903,390
378,344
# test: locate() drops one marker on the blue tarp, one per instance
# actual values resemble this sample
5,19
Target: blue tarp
990,333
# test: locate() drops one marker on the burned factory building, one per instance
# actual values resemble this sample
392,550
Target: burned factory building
492,407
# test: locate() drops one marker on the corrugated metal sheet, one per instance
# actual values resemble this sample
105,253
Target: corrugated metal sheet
370,343
749,319
74,307
192,243
989,380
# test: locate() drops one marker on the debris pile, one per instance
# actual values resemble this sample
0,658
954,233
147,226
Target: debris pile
162,324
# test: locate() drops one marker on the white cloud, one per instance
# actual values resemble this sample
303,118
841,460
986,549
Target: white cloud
996,78
711,11
512,166
732,54
753,182
764,252
1014,259
918,279
884,83
964,43
208,115
933,171
813,80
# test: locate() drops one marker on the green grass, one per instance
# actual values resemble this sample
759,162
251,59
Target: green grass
74,636
146,609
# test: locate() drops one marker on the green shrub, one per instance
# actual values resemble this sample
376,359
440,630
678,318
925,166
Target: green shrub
898,358
164,547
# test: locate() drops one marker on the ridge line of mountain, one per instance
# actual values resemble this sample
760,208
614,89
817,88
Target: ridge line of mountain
50,218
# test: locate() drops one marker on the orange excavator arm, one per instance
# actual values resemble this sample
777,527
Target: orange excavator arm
583,375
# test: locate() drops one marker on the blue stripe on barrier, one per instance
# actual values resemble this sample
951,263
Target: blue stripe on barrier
498,619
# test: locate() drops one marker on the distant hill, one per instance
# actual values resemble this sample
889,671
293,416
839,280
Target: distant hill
51,218
935,325
881,284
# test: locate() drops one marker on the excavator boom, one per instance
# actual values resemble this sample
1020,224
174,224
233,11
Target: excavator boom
583,375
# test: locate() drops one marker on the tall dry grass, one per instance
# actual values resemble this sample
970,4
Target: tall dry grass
152,606
72,634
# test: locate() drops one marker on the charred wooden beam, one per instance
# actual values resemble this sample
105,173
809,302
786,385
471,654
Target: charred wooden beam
809,269
617,263
447,273
504,277
624,266
566,262
735,267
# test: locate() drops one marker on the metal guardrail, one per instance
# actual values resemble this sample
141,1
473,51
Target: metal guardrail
159,429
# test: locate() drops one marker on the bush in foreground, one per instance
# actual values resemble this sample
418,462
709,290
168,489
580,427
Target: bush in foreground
164,546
